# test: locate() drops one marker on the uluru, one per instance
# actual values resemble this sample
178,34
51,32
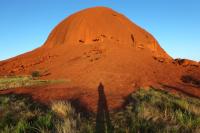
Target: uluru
100,47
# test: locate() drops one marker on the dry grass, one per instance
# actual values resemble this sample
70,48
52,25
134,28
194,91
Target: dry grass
63,108
24,81
158,111
19,114
69,118
147,111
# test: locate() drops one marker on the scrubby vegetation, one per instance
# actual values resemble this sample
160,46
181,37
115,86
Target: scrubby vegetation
145,111
23,81
19,114
158,111
35,74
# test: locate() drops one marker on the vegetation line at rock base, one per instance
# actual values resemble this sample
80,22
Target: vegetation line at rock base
25,81
146,111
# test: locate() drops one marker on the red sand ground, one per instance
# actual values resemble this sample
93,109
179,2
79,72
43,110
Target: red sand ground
100,45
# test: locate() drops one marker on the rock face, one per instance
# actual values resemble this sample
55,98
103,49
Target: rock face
83,39
186,62
100,46
102,25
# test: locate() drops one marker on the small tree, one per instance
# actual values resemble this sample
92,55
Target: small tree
35,74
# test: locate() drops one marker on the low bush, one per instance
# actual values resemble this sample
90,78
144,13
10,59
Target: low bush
19,114
35,74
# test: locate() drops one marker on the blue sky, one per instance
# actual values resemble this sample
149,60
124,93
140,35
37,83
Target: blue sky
25,24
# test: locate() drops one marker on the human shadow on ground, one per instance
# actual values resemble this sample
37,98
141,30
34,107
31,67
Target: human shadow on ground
103,122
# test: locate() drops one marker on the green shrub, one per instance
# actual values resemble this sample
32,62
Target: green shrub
20,115
158,111
22,126
45,120
35,74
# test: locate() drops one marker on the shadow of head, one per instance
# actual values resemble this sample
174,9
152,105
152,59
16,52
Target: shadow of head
101,89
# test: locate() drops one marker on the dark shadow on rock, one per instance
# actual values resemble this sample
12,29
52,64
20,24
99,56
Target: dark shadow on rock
127,100
103,122
190,80
81,108
180,90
